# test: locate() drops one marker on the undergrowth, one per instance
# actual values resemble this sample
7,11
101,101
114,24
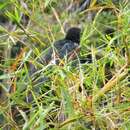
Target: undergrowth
75,96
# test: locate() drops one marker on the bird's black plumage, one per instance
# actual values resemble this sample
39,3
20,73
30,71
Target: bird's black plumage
61,48
64,46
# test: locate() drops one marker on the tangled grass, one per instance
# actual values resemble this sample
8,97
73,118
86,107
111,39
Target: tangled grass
77,96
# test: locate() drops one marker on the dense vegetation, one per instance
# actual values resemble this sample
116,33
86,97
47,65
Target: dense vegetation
88,92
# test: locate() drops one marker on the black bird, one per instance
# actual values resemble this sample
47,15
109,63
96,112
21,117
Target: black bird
60,49
64,47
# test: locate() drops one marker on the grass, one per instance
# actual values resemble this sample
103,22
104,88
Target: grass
75,96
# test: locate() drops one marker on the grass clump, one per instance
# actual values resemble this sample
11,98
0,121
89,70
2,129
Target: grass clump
88,92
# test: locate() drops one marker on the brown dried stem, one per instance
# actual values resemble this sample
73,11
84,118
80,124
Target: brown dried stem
112,82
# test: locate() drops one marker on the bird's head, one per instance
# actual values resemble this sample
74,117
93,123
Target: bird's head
73,34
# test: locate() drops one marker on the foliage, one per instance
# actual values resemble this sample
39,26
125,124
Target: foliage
75,95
